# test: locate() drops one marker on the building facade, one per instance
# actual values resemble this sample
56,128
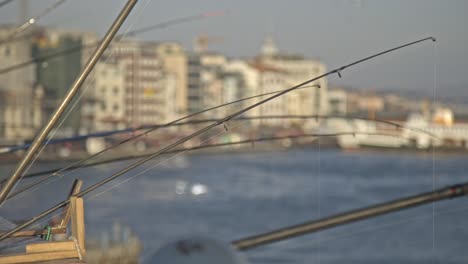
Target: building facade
205,84
57,74
17,88
306,101
174,61
131,88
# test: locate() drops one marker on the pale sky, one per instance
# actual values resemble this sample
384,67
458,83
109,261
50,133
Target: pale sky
335,31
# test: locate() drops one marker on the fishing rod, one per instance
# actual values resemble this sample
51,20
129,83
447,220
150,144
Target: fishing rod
5,2
32,151
137,31
53,172
176,21
451,192
199,132
94,44
32,21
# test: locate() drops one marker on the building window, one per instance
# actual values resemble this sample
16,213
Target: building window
7,51
116,90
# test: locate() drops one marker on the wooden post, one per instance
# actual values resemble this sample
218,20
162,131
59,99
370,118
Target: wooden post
38,257
77,219
76,187
46,251
51,247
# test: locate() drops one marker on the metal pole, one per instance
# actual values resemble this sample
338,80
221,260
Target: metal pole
73,90
352,216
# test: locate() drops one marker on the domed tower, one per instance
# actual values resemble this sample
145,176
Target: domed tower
269,48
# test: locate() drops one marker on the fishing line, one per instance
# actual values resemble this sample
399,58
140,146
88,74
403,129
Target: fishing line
33,188
199,132
434,58
33,20
319,237
36,156
176,21
91,45
222,132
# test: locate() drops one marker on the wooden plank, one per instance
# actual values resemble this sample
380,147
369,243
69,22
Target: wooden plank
76,187
50,246
77,219
38,232
35,257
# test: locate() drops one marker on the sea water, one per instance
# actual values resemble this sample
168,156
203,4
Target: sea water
230,196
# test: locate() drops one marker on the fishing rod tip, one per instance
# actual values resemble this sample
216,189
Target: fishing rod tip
215,13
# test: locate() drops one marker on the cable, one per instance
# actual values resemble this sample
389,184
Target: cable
94,44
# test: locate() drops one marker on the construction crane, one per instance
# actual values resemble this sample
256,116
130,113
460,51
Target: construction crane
201,42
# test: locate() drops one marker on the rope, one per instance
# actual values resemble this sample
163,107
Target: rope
77,246
49,233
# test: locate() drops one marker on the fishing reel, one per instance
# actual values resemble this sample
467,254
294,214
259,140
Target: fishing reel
197,250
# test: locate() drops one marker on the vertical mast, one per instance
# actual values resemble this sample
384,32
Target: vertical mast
32,151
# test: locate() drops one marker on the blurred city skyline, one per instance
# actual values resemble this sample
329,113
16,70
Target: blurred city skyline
336,32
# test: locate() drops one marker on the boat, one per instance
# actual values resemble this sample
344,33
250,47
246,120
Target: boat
420,132
368,135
